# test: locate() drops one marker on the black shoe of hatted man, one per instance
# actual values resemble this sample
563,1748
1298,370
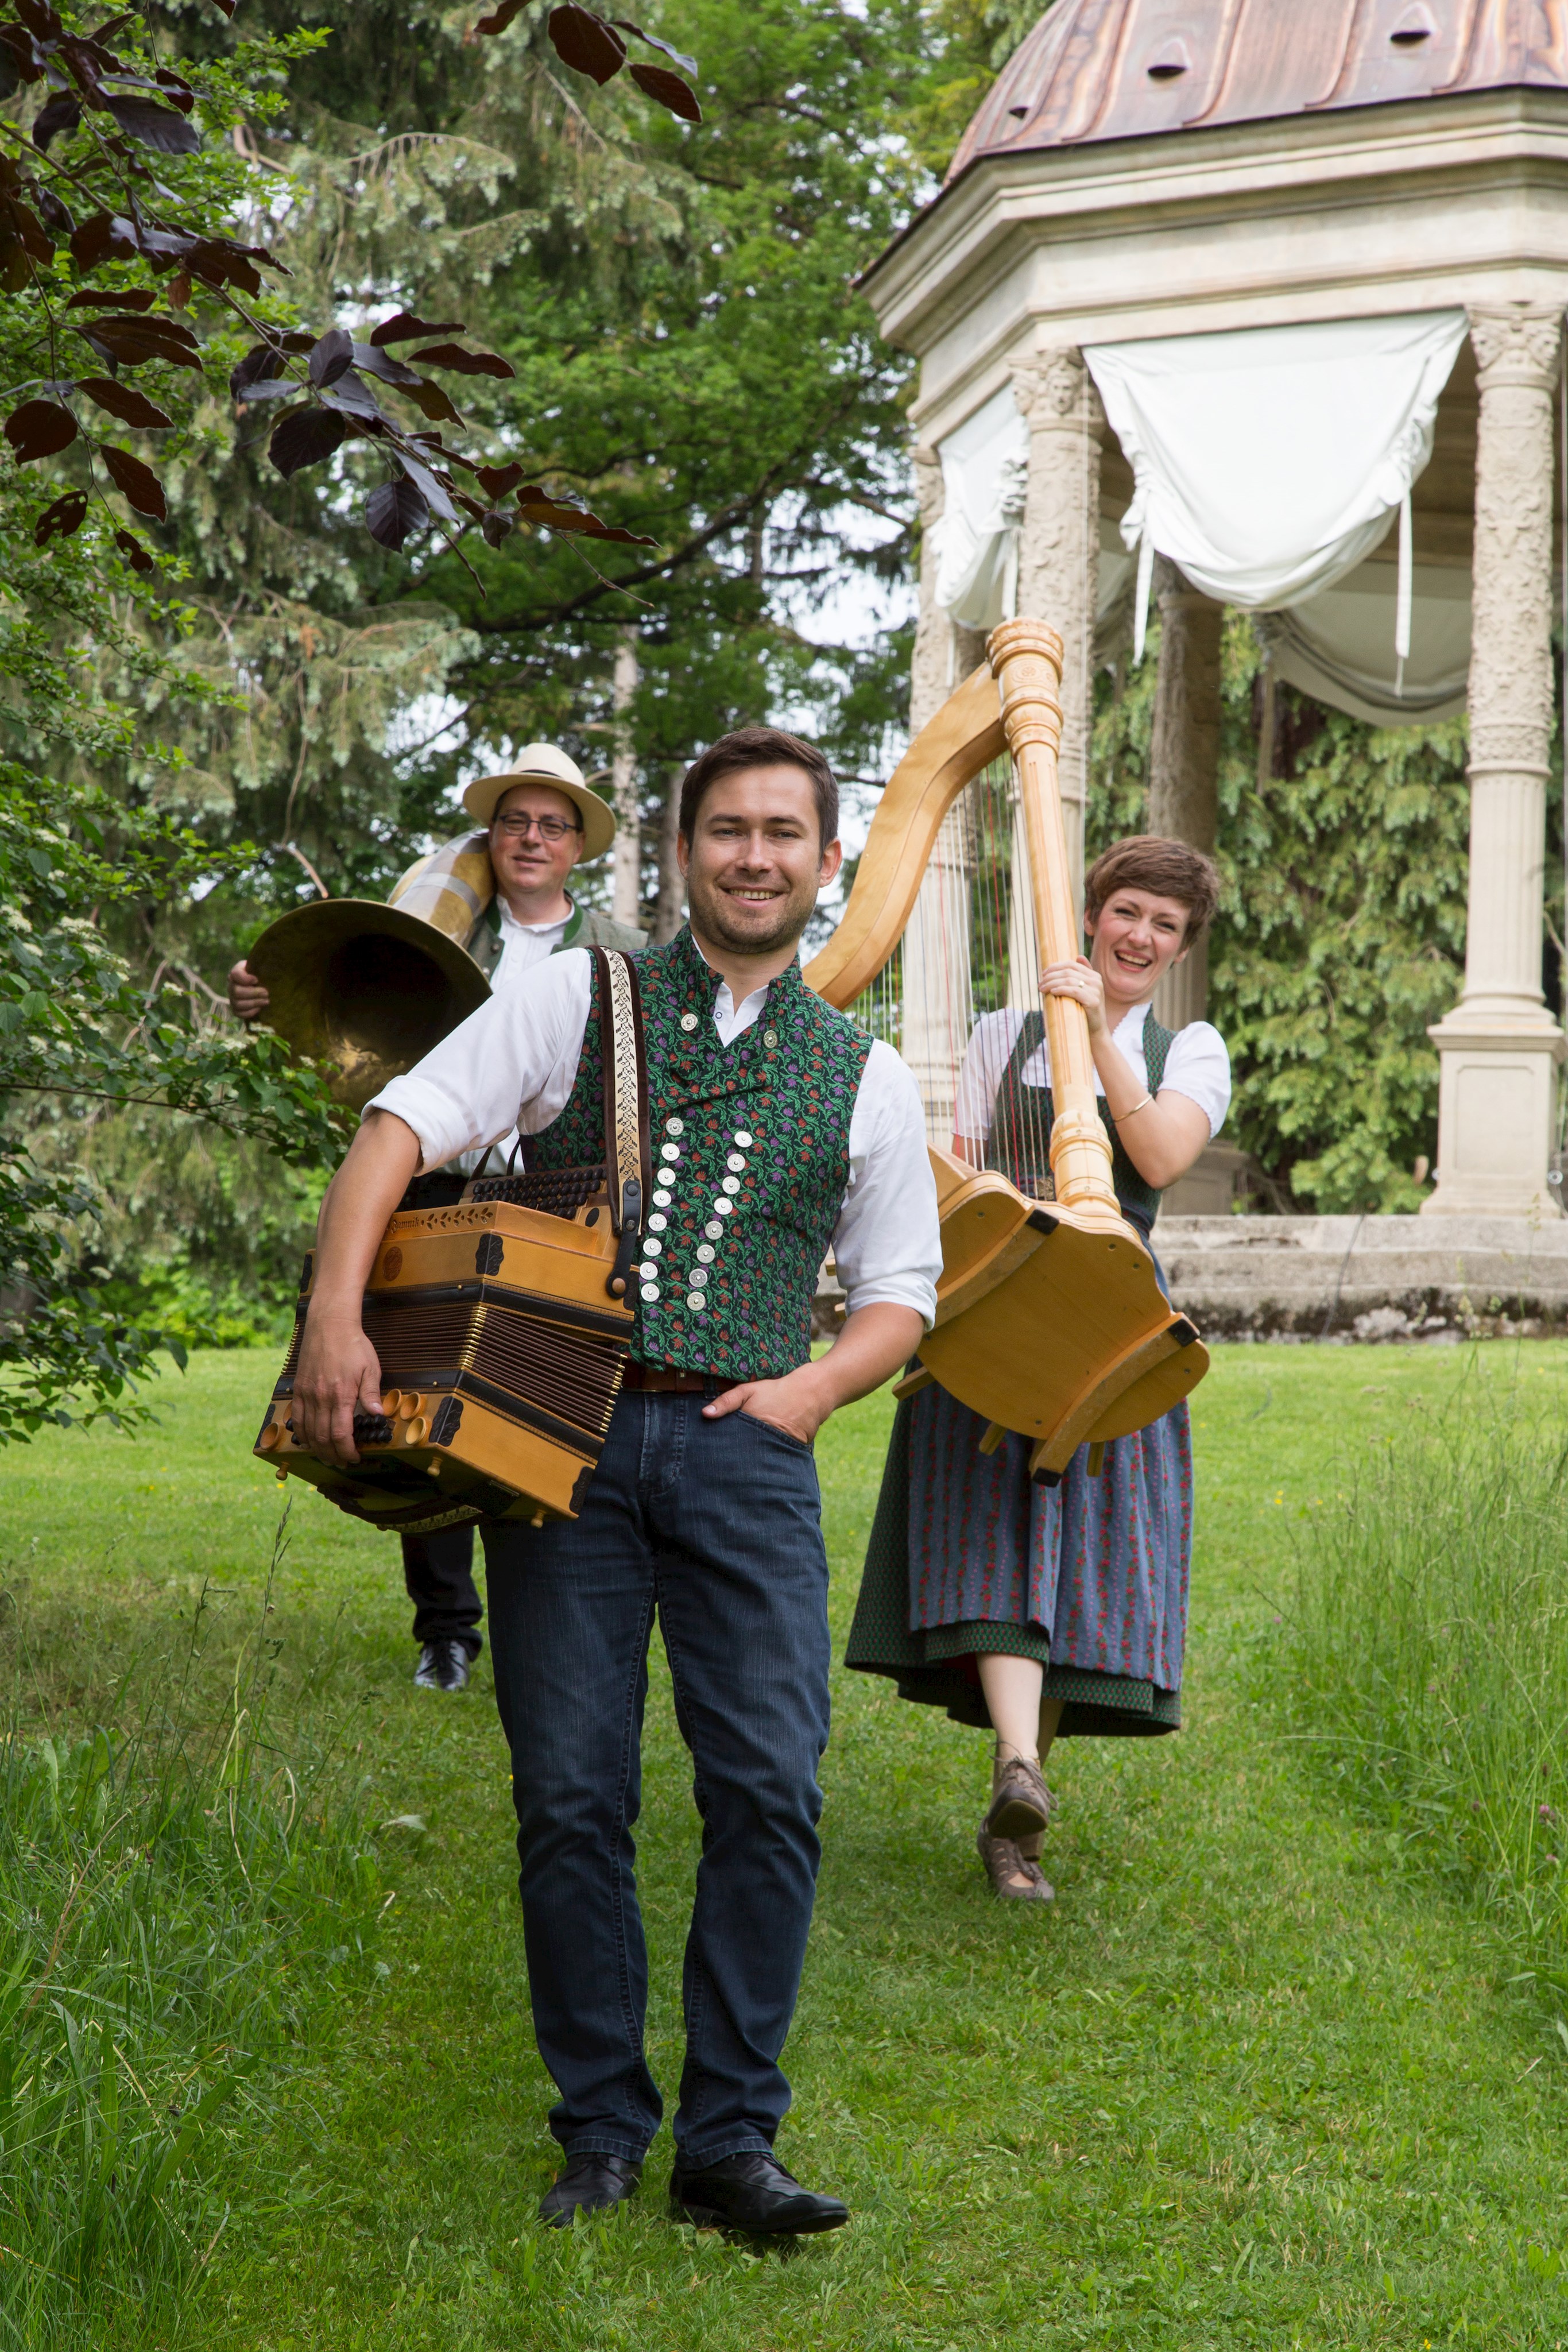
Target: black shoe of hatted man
443,1666
590,2184
754,2194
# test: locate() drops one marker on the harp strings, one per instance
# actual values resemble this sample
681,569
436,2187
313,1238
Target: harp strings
969,956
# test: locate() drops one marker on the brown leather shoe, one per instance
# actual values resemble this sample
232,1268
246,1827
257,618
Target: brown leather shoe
1022,1805
1014,1878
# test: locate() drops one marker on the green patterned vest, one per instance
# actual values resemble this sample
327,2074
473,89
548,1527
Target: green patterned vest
750,1145
1019,1146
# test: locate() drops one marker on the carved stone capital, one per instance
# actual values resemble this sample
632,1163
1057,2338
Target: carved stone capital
1517,344
928,486
1054,389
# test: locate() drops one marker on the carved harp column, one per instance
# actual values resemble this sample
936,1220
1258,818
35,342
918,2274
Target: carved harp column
1059,555
1026,661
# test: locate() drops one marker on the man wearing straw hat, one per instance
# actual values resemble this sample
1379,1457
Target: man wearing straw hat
541,820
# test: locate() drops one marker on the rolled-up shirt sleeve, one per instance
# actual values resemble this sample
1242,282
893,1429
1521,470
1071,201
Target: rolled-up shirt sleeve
887,1244
512,1063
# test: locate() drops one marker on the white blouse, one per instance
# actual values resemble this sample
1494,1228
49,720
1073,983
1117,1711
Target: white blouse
1198,1066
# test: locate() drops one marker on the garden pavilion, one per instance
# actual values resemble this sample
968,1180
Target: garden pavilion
1261,303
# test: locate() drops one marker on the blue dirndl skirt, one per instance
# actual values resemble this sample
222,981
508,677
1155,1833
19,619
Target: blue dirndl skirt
969,1553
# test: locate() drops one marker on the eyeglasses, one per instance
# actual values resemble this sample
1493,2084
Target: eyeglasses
548,828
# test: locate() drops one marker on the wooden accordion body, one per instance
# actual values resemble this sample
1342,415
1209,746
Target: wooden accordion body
502,1326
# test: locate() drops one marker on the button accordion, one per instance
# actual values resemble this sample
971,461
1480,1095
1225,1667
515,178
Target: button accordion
501,1324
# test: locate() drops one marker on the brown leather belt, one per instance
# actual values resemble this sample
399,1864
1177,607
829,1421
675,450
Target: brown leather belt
673,1380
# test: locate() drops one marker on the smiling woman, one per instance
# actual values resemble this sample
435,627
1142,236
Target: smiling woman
1039,1610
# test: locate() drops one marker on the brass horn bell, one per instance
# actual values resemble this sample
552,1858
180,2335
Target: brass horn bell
366,987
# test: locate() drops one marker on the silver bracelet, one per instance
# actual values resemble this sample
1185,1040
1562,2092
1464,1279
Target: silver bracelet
1137,1106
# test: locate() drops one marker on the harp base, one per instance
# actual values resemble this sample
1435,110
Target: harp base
1051,1321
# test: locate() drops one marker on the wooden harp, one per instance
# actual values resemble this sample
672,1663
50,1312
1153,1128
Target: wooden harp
1050,1320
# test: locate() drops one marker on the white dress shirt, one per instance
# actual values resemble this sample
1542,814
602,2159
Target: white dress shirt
514,1062
1198,1066
522,945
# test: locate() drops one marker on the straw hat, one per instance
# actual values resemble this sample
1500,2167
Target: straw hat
542,763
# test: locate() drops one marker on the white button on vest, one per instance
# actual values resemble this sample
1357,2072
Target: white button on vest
688,1021
695,1300
663,1199
657,1225
669,1151
649,1291
712,1229
653,1245
770,1037
735,1162
706,1254
744,1141
731,1184
725,1208
699,1276
674,1126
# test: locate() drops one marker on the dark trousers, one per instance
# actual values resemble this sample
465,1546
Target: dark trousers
716,1526
438,1570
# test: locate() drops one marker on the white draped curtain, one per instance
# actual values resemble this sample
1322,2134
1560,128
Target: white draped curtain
1267,465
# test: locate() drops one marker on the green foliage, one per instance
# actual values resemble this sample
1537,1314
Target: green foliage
76,1028
1342,932
1435,1577
1247,2084
177,1905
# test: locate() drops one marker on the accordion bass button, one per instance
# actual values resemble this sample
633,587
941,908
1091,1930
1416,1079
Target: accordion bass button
418,1430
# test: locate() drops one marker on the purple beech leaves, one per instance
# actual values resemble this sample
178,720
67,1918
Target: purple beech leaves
304,438
67,515
403,326
396,511
39,429
462,362
586,42
123,400
136,482
667,90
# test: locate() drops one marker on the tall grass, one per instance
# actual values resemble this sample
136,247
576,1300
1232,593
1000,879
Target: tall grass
183,1887
1428,1645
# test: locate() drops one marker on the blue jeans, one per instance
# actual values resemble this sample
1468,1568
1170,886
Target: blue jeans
716,1526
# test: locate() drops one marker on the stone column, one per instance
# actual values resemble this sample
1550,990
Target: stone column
1500,1046
937,1001
1058,552
1184,762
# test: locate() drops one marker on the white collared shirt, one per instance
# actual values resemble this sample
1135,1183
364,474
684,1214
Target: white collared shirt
522,945
516,1060
1198,1066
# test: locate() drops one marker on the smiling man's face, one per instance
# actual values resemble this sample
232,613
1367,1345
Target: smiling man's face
755,863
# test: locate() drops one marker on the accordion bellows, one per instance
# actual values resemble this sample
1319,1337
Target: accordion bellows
501,1356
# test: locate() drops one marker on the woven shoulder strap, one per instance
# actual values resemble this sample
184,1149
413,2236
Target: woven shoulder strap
624,1062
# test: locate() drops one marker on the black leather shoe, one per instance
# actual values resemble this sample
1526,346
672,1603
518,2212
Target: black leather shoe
590,2184
755,2194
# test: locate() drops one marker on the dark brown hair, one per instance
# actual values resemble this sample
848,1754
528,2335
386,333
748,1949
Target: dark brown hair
1148,861
760,747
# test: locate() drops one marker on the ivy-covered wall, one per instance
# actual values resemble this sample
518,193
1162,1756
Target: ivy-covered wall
1341,935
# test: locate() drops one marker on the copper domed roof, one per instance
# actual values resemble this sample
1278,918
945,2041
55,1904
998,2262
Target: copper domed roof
1097,70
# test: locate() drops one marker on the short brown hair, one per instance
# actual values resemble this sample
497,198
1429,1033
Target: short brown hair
760,747
1148,861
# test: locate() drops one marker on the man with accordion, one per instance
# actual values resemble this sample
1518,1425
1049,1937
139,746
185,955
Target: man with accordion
541,820
777,1127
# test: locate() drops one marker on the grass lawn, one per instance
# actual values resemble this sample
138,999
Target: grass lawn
1248,2082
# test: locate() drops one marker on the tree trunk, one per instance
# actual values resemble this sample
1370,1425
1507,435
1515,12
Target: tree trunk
670,911
626,902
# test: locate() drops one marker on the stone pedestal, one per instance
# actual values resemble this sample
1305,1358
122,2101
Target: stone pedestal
1059,553
1500,1046
1184,764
